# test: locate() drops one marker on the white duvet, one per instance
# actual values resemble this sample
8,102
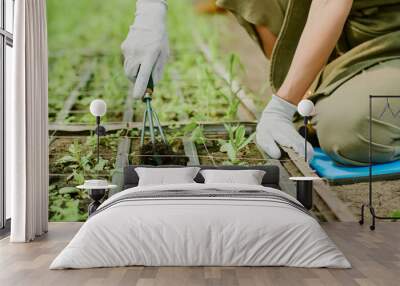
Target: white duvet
202,232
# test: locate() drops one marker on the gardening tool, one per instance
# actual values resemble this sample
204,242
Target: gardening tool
151,116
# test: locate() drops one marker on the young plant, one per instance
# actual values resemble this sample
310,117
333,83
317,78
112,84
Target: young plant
198,135
81,162
237,141
234,68
195,132
67,204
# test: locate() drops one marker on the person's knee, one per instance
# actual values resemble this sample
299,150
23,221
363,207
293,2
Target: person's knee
342,120
350,151
344,134
343,140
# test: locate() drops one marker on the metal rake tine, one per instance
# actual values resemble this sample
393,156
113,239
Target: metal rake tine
143,128
151,123
158,125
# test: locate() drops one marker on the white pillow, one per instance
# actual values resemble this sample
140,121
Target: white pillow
166,176
248,177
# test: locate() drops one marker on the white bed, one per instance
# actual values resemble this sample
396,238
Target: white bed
202,231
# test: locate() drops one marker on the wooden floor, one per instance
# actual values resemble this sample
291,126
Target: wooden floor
375,257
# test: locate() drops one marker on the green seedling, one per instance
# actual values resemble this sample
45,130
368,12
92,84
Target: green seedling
195,132
67,204
237,141
198,135
80,161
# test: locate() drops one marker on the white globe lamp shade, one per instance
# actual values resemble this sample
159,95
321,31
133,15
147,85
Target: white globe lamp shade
306,107
98,107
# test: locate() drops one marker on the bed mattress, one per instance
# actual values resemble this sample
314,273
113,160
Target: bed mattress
201,225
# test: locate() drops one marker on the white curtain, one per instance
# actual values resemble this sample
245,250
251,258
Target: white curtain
26,124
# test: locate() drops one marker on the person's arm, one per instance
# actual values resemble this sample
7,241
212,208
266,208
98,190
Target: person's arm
268,40
321,32
323,28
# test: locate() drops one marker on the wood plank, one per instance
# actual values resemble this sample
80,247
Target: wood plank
286,185
323,209
79,127
320,209
58,128
340,210
191,152
124,146
121,162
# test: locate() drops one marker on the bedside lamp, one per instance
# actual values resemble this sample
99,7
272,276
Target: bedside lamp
97,188
306,109
98,108
304,188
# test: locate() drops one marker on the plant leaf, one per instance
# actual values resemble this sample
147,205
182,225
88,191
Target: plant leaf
247,141
240,136
230,150
101,165
68,190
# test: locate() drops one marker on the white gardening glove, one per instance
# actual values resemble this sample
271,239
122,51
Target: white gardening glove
145,49
276,127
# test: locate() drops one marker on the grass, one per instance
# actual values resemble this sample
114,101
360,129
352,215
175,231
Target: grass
396,214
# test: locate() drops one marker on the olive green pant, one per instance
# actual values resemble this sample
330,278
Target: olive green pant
342,120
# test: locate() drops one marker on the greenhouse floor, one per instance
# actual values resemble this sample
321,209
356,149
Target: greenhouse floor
375,257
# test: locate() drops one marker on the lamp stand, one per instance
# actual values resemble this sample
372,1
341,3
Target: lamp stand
96,196
100,131
304,188
305,137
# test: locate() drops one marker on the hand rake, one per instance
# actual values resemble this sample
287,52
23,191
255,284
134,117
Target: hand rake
151,116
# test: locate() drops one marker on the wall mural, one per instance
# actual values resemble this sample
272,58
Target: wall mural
209,100
86,63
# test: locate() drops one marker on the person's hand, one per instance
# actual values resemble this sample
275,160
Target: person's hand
146,49
276,127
